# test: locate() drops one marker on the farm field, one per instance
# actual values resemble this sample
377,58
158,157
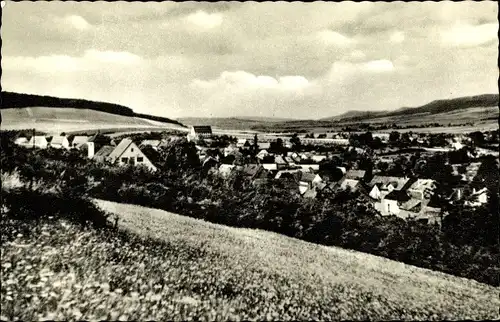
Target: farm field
56,120
178,268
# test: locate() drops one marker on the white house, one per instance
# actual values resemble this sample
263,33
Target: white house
422,188
125,153
197,132
262,154
21,141
242,143
152,143
318,158
79,141
59,142
38,141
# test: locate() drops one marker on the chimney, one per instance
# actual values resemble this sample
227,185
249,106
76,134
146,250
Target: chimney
90,149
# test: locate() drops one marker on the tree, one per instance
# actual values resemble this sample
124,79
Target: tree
394,137
295,140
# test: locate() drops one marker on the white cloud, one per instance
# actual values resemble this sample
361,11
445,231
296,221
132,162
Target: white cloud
205,20
329,37
77,22
119,57
463,35
91,60
244,81
54,63
382,65
397,37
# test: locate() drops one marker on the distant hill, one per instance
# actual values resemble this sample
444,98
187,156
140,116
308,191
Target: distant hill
432,108
232,123
10,100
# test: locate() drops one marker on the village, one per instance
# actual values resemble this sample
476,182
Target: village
319,166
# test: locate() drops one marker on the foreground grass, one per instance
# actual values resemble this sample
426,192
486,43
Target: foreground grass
183,269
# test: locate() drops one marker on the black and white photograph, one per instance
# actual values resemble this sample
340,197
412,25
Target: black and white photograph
249,161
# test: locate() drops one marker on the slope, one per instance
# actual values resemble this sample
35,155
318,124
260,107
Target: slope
76,108
55,120
266,273
432,108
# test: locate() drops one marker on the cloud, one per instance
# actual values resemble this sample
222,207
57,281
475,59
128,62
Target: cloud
244,81
116,57
330,37
77,22
397,37
205,20
92,59
464,35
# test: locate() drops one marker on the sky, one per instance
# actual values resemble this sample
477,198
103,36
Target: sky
229,59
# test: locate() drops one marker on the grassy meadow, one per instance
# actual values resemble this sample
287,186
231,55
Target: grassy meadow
162,266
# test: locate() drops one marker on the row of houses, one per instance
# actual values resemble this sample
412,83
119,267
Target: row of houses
126,152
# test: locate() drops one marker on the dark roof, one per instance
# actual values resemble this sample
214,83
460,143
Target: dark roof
398,195
104,151
355,174
307,177
120,148
252,169
205,129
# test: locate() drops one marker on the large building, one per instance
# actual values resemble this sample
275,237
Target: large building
199,132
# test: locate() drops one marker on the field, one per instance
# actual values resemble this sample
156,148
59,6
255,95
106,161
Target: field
182,269
69,120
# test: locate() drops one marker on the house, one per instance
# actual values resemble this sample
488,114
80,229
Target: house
457,145
198,132
280,162
103,153
318,158
262,154
263,145
209,163
351,184
125,153
355,174
21,141
38,141
254,171
422,189
270,166
343,169
288,144
152,143
477,198
420,210
286,173
289,161
384,137
309,179
390,205
226,169
380,186
340,141
59,142
309,167
229,150
79,141
242,143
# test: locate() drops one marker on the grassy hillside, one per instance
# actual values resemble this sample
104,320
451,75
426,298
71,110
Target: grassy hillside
12,100
70,120
169,267
432,108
